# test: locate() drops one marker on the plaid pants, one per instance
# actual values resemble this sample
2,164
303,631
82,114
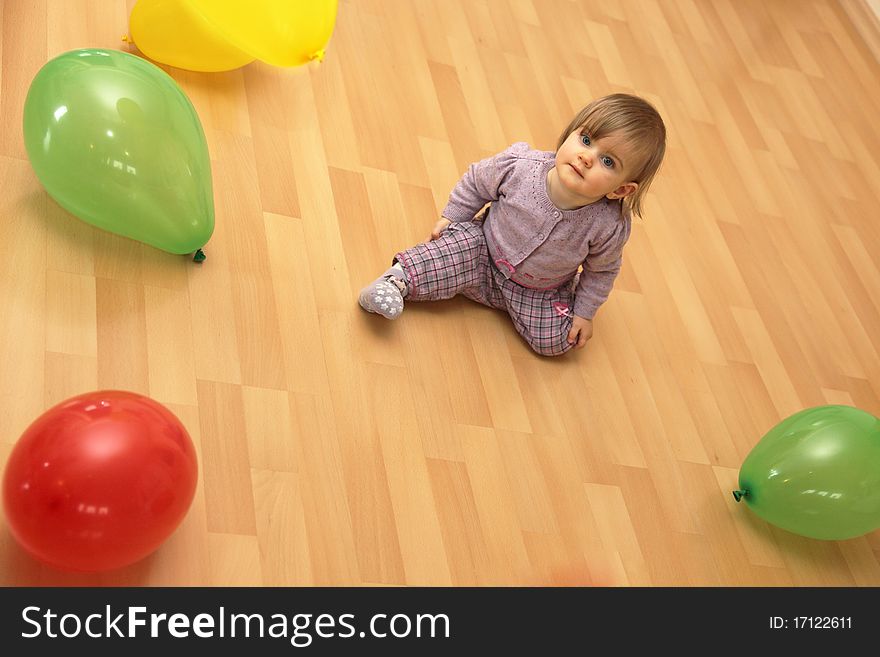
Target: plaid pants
459,263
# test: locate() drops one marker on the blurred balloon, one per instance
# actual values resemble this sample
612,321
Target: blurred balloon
99,481
174,32
817,474
117,143
220,35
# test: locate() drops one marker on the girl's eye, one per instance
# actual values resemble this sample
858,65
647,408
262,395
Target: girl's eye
608,162
585,139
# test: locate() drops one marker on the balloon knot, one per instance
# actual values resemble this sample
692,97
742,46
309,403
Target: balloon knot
199,256
739,494
125,38
319,55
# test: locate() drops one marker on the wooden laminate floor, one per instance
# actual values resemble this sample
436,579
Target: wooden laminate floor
340,449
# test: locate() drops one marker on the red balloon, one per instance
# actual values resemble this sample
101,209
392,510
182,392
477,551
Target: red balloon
99,481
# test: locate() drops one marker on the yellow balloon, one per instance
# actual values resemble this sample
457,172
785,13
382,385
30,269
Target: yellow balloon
173,32
278,32
219,35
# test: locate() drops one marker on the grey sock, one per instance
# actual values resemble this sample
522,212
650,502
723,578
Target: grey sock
384,296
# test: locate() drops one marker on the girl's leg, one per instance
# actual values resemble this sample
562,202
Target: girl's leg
452,264
542,317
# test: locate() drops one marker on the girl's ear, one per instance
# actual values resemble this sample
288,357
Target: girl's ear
624,190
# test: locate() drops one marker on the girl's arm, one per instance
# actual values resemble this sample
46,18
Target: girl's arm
439,227
581,331
482,183
601,268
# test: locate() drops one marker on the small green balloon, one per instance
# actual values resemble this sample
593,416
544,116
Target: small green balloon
116,142
817,474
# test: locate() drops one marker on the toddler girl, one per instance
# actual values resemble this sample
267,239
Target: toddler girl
550,214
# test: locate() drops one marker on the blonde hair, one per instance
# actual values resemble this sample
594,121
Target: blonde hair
640,124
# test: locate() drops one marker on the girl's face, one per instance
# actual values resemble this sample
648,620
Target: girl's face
589,170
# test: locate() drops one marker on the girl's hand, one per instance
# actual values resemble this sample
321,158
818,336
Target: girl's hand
581,331
439,227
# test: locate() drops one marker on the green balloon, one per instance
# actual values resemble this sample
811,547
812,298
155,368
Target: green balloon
117,143
817,474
